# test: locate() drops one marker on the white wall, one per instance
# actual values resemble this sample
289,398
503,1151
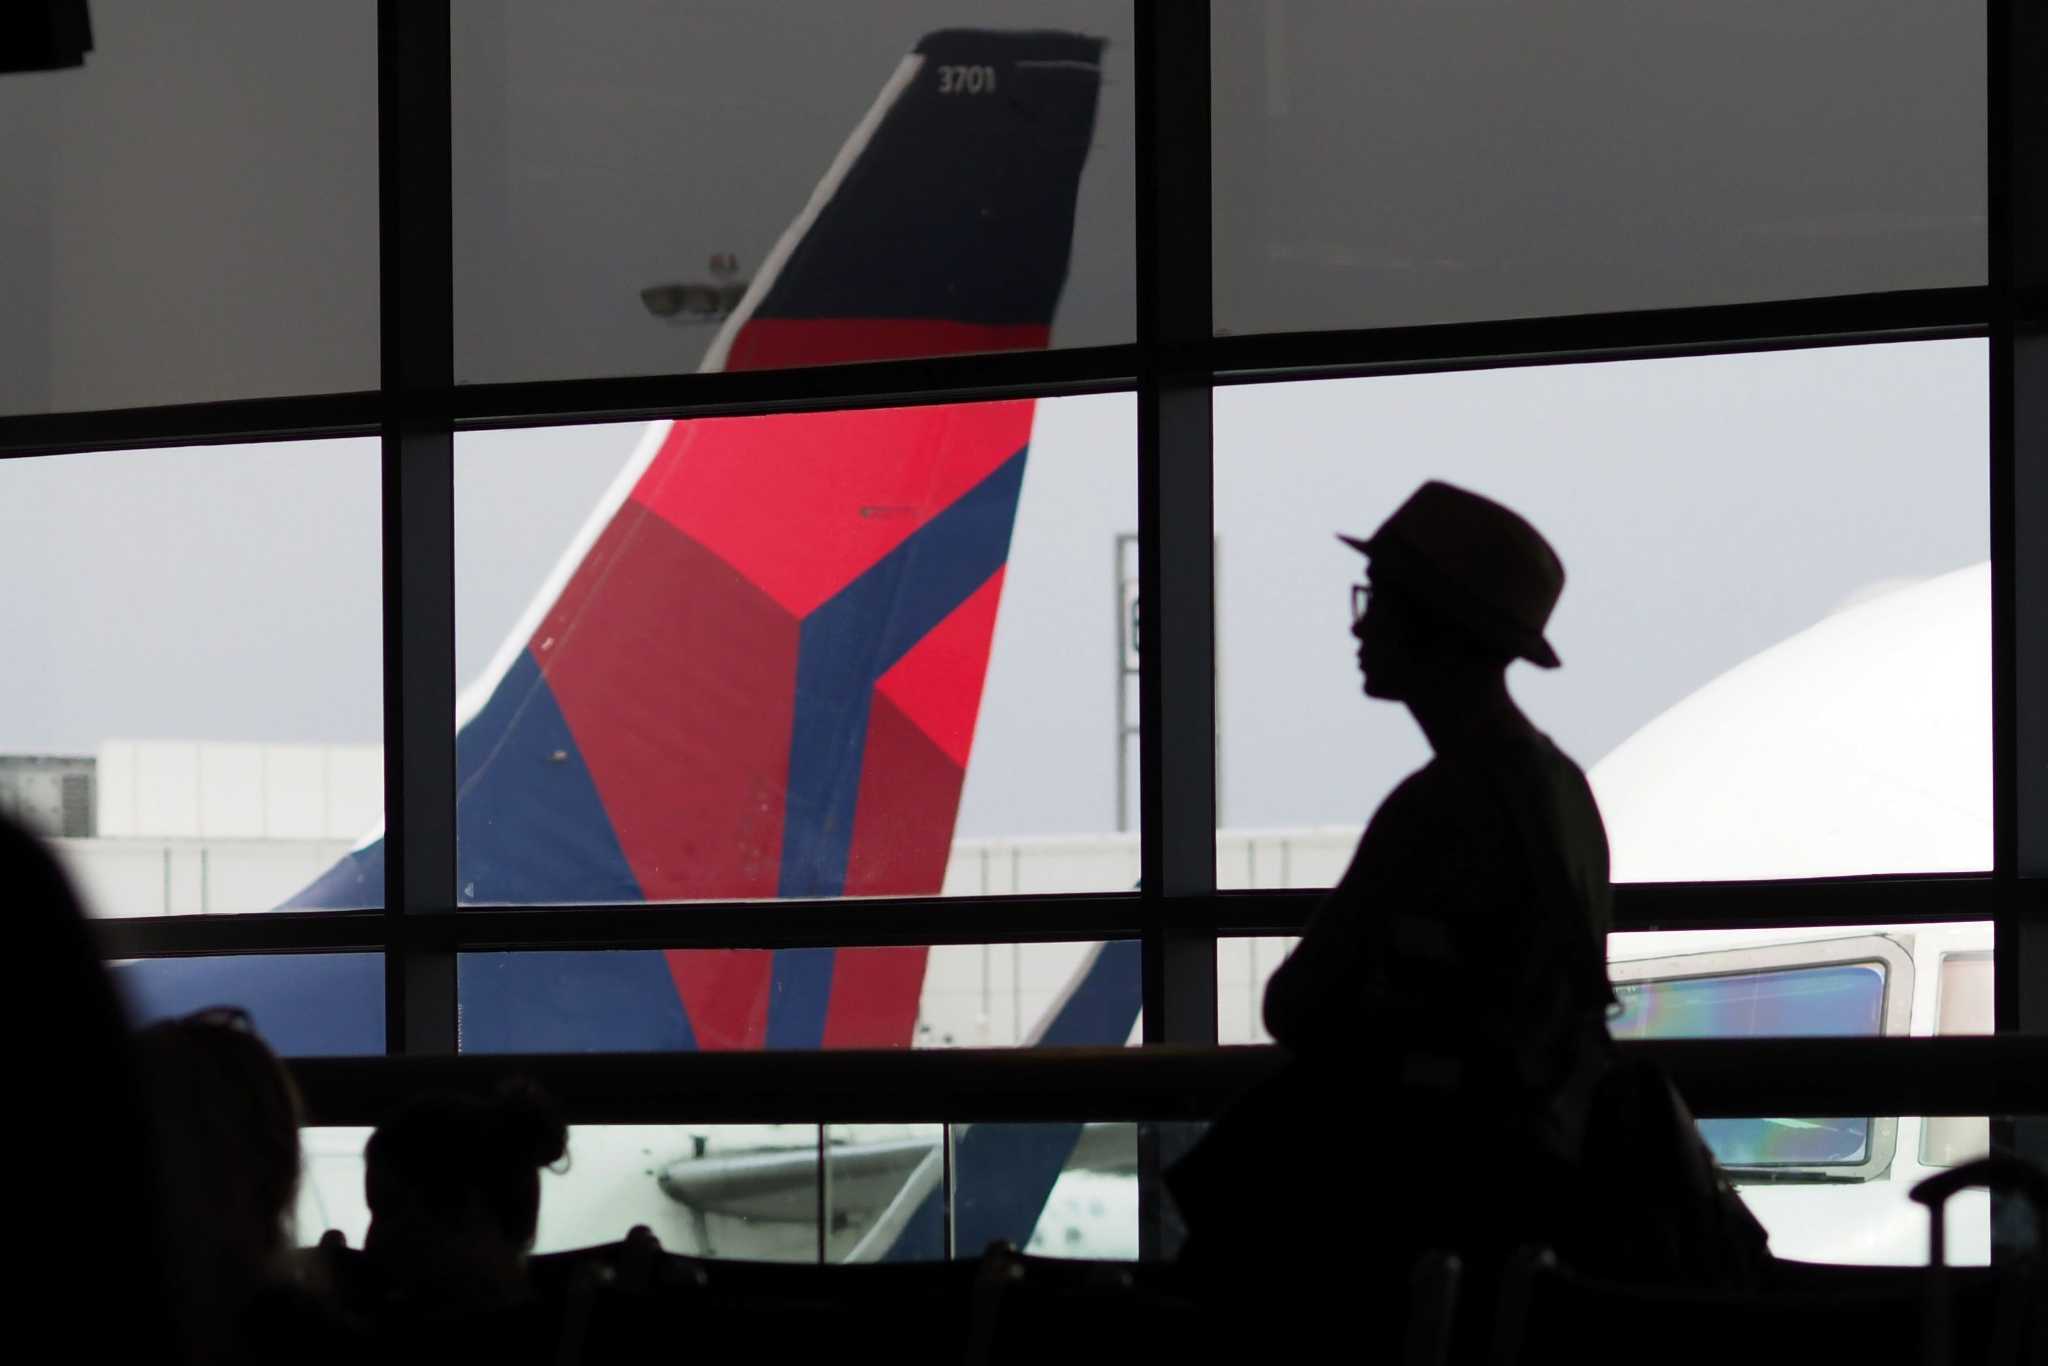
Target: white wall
234,790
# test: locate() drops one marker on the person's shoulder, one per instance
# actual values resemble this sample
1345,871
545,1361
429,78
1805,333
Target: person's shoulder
1441,799
1443,782
1561,767
1547,751
1417,794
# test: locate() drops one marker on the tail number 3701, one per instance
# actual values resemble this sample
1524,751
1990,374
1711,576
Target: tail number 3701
967,80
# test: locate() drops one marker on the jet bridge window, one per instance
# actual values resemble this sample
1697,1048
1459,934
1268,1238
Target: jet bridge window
1965,1006
1835,1000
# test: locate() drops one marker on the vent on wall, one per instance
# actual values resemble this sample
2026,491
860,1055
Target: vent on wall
51,794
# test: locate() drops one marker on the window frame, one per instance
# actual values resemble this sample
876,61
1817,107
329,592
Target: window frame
1894,964
1172,368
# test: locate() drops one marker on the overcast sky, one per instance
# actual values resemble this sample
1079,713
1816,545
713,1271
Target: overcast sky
193,214
1704,509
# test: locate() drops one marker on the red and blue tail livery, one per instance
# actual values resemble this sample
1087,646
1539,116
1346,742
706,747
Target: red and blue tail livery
756,671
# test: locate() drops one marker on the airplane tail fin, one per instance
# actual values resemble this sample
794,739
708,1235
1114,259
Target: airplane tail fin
756,672
945,223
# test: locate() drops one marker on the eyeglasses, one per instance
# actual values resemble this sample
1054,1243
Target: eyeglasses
1361,599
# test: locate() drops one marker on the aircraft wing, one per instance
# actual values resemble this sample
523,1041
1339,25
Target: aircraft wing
781,1183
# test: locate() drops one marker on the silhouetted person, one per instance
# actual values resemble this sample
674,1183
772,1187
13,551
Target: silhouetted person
453,1185
227,1117
87,1237
1445,1010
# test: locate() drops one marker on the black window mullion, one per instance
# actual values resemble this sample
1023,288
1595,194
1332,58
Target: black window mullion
1911,315
1174,362
418,527
1177,645
2018,216
2019,496
1176,553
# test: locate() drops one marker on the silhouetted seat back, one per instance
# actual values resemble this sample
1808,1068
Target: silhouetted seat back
341,1273
913,1311
1030,1310
634,1263
1548,1313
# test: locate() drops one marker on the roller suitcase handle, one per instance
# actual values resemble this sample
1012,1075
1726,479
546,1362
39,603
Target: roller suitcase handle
2000,1173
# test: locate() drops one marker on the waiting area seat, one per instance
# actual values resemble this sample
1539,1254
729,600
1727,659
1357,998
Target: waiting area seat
633,1300
1803,1312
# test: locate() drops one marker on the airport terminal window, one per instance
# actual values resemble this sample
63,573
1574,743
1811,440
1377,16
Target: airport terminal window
750,1191
199,734
1799,1175
685,1182
230,253
1776,546
1844,999
665,1176
1817,1207
816,655
1071,1189
1775,625
1416,163
1963,1006
1771,989
305,1005
944,996
625,176
949,996
1243,967
1755,983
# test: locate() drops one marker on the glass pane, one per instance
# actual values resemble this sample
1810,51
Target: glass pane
644,188
1845,999
1057,1190
1827,1189
192,214
331,1185
1761,983
750,1191
888,1191
1868,1219
1775,625
305,1005
1965,1004
737,1190
815,655
631,1000
200,732
706,1190
1430,163
1243,967
680,1182
1707,995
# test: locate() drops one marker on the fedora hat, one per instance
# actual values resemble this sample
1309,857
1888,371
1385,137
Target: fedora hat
1474,560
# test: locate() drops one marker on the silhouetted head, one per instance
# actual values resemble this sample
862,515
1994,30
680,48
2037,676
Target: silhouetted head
87,1212
1457,585
453,1185
228,1116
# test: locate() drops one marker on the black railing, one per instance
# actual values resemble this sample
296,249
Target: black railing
2003,1076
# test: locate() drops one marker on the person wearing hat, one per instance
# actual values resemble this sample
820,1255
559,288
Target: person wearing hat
1445,1010
1475,911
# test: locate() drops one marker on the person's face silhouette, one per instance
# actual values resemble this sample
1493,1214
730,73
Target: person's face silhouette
1392,640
